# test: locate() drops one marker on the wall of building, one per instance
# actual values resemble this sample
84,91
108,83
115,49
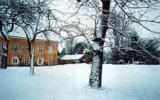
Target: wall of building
48,53
49,58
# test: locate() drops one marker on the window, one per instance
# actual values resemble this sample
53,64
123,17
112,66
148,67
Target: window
40,48
15,47
40,61
49,61
15,60
55,45
50,49
4,44
26,47
26,61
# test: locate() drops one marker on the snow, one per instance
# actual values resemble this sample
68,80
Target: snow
70,82
158,48
72,57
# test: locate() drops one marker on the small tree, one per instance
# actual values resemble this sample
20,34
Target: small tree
39,23
10,12
70,45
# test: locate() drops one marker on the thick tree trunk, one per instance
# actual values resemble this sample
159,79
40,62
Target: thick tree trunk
32,60
20,61
99,36
4,48
96,70
4,54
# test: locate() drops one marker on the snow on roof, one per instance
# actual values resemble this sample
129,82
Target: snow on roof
18,32
72,57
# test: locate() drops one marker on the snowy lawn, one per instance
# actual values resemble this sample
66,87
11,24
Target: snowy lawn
70,82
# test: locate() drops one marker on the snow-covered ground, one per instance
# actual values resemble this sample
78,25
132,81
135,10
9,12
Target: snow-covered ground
70,82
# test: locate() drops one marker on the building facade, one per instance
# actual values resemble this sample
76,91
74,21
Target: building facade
46,53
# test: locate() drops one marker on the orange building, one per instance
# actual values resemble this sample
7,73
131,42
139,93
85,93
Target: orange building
46,53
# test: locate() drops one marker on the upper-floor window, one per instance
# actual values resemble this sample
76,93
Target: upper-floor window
26,46
55,45
3,45
40,49
50,49
15,46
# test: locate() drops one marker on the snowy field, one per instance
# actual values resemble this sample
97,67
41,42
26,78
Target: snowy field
70,82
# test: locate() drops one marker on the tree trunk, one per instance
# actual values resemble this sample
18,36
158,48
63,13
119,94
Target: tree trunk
95,80
32,60
20,61
96,69
4,54
4,48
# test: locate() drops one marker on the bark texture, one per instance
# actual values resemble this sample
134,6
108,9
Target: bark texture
32,56
4,54
99,36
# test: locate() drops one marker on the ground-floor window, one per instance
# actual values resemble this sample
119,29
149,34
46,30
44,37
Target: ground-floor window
26,61
50,61
40,61
15,60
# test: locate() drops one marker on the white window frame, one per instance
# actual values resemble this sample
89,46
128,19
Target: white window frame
16,59
40,49
50,61
26,46
50,49
55,45
38,61
4,44
26,60
15,49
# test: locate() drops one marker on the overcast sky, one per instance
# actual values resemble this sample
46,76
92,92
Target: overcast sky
70,6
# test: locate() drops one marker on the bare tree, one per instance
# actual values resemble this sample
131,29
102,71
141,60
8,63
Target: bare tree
129,9
99,36
10,12
41,24
70,43
121,29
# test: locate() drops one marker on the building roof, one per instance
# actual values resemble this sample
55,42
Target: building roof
37,39
72,57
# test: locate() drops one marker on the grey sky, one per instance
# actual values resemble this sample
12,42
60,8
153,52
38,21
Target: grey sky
69,6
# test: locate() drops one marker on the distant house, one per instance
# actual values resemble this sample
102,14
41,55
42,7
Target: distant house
76,58
46,53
